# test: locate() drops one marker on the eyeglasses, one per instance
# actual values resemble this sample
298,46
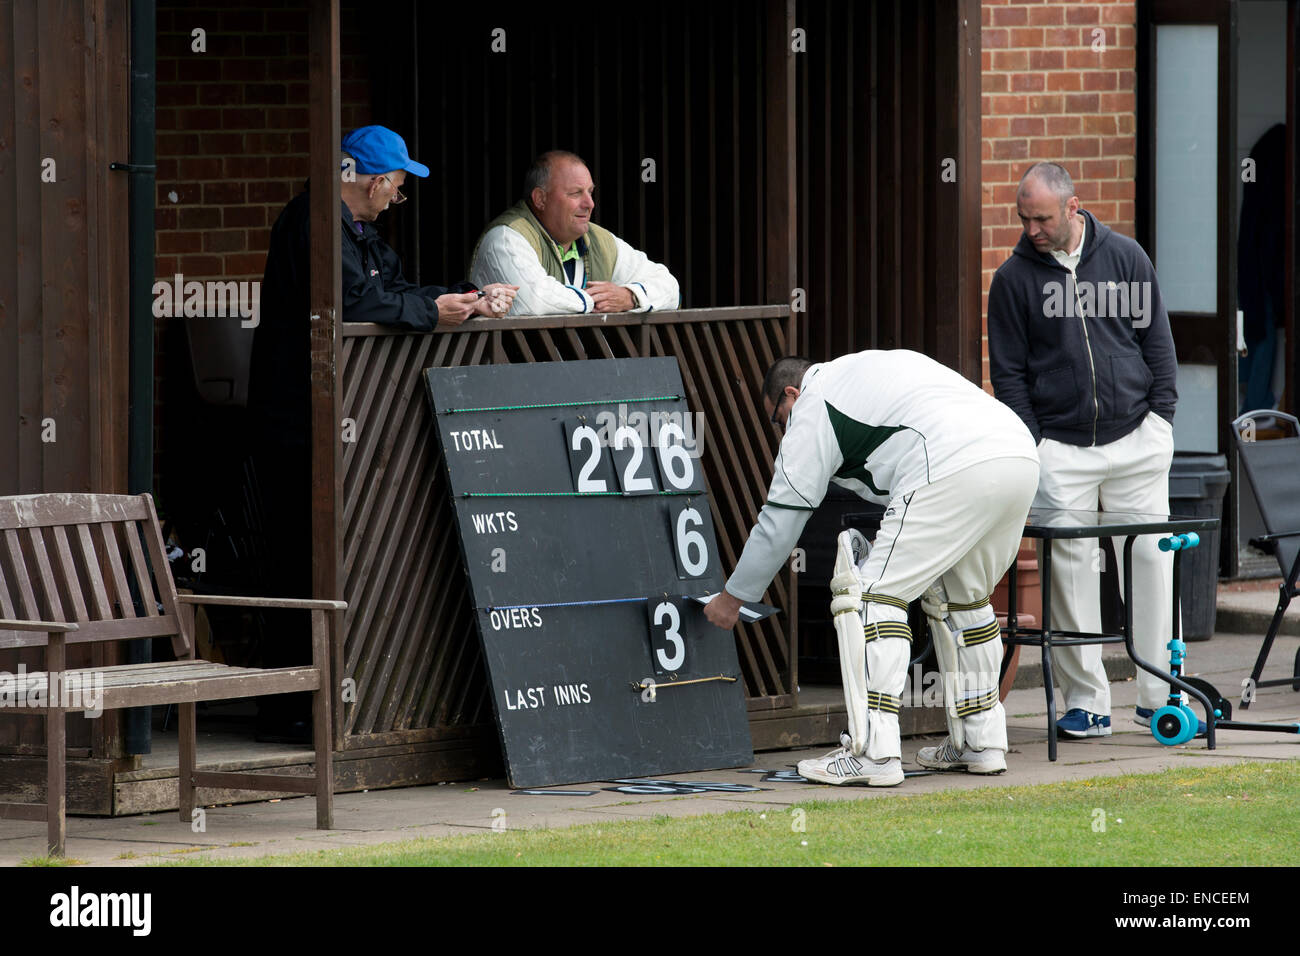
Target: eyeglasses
775,421
398,197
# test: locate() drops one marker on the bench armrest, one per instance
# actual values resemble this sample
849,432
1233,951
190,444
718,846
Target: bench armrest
228,600
46,626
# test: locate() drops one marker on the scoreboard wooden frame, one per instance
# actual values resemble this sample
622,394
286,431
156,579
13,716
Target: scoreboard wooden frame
585,527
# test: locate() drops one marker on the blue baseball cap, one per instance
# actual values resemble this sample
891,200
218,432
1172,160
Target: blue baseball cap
377,149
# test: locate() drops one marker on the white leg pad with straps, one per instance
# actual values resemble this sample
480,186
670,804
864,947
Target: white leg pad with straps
875,645
935,604
889,647
846,602
979,656
969,648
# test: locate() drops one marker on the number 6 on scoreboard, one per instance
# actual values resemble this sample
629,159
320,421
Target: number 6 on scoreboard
675,462
691,529
667,645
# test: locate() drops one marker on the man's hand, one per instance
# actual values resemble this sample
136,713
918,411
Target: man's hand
610,297
455,307
723,611
497,299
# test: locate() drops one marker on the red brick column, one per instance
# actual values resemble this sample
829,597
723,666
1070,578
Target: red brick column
1059,84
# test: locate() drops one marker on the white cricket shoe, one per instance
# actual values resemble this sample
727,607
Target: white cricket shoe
947,757
843,766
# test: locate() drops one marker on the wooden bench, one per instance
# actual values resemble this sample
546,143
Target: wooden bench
74,568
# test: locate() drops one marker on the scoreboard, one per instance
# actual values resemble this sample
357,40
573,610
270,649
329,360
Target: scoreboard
585,528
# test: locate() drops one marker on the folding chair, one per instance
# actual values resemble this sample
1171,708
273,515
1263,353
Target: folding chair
1269,445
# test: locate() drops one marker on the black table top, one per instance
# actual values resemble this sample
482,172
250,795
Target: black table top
1050,523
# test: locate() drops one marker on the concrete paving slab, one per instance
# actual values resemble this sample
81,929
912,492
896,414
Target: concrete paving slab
1248,606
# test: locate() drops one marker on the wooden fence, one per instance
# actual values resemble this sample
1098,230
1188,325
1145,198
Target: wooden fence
409,639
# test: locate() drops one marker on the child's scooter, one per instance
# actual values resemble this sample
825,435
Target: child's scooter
1175,723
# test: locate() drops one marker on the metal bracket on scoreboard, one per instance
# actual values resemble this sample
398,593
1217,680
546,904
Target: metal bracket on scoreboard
649,686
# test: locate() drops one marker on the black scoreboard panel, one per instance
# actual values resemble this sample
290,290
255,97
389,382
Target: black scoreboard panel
584,522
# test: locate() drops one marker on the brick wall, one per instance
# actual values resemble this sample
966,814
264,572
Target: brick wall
1048,94
232,131
232,141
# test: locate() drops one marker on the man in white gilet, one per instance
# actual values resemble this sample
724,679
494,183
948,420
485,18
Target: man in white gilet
956,470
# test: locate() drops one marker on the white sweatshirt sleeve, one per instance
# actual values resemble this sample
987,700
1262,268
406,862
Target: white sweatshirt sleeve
651,284
806,463
770,542
506,256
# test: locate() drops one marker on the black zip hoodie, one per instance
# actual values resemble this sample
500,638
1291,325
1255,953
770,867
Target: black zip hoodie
374,290
1081,363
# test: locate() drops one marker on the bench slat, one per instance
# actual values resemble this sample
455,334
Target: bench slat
38,511
88,631
6,603
47,574
201,670
113,551
181,687
69,567
95,572
185,691
143,579
163,579
25,593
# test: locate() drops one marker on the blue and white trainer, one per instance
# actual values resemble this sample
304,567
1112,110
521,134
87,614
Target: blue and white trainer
1078,723
1144,715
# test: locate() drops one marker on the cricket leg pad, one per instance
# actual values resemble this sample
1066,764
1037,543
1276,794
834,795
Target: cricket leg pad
979,662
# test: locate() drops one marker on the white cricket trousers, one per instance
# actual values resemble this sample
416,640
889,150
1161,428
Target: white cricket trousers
1130,474
963,530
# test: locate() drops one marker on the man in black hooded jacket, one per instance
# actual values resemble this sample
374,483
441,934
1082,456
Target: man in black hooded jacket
373,169
1080,348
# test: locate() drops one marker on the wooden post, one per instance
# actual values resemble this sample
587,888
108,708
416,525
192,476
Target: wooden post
321,707
326,311
780,198
957,260
55,746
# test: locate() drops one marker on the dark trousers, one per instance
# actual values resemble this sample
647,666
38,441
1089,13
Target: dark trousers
284,473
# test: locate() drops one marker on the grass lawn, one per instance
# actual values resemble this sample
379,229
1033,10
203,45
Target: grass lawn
1243,814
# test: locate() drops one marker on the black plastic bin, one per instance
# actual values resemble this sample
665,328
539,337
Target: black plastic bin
1196,487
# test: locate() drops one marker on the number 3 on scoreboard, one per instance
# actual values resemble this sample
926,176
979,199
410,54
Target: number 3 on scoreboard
667,645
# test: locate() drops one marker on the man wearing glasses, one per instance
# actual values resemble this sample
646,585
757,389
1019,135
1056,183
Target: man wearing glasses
956,471
373,168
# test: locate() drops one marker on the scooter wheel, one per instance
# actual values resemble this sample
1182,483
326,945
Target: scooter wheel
1172,725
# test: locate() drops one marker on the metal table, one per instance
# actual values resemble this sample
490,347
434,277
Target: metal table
1050,524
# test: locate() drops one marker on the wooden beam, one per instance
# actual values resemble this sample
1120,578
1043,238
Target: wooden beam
964,50
780,204
326,282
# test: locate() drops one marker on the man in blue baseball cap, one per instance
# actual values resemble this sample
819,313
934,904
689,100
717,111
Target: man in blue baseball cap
373,168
